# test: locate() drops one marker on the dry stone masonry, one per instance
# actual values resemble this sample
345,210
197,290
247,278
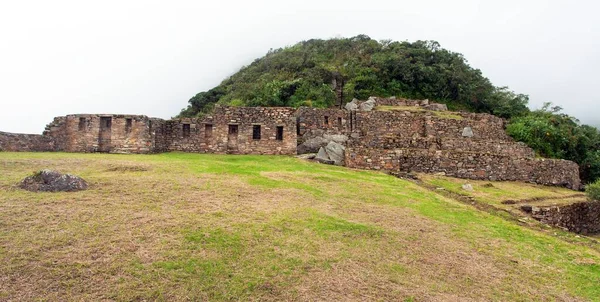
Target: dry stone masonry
390,134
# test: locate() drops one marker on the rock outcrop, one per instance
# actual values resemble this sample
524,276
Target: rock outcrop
53,181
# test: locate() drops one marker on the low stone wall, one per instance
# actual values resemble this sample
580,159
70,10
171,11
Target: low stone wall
470,165
425,104
16,142
582,217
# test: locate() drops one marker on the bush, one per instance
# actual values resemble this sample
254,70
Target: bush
593,190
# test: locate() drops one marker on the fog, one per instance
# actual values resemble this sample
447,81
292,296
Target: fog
150,57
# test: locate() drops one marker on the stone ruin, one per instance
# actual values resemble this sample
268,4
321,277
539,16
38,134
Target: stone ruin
379,134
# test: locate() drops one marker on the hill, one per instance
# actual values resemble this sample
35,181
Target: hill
214,227
329,73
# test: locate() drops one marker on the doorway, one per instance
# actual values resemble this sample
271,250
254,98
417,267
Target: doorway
105,134
232,138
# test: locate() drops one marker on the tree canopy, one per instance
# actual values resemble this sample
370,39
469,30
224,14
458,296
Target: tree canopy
329,73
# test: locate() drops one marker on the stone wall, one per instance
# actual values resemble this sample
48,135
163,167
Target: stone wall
236,130
435,143
470,165
426,139
425,123
312,122
16,142
582,217
102,133
425,104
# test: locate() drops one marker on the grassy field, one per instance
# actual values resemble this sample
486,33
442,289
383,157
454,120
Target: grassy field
213,227
509,196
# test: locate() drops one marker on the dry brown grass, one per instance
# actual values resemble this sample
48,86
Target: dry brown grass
200,227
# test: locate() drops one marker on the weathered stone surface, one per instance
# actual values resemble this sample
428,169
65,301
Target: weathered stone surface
582,217
52,181
467,132
423,142
467,187
353,105
16,142
307,156
312,145
322,154
367,105
323,157
335,152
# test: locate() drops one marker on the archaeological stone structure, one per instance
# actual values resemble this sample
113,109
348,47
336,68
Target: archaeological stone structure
387,134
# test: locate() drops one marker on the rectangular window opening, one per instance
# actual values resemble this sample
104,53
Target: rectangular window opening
339,122
279,135
256,132
82,124
106,123
233,130
326,120
208,128
186,130
128,125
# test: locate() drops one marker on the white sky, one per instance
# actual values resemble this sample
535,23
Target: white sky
149,57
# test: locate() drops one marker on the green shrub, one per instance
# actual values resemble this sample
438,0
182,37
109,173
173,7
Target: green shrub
593,190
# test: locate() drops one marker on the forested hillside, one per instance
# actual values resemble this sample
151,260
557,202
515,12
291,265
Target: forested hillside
329,73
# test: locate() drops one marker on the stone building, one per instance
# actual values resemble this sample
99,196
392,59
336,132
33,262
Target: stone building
109,133
380,134
235,130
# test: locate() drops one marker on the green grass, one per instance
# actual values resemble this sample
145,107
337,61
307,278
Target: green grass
215,227
438,114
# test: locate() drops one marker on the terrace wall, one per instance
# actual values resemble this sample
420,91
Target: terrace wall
582,217
16,142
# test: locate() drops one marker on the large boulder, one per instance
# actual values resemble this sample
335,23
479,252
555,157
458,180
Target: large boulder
335,152
323,157
313,144
367,105
52,181
352,105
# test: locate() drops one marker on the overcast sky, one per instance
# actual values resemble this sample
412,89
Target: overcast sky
149,57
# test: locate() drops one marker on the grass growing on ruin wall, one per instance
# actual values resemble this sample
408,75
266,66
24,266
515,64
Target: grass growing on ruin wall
439,114
213,227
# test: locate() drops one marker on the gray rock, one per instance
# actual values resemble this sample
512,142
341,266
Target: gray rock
322,156
437,107
52,181
352,105
312,145
307,156
338,138
336,152
467,132
367,105
467,187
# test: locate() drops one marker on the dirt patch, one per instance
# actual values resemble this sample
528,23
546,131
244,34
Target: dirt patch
128,168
